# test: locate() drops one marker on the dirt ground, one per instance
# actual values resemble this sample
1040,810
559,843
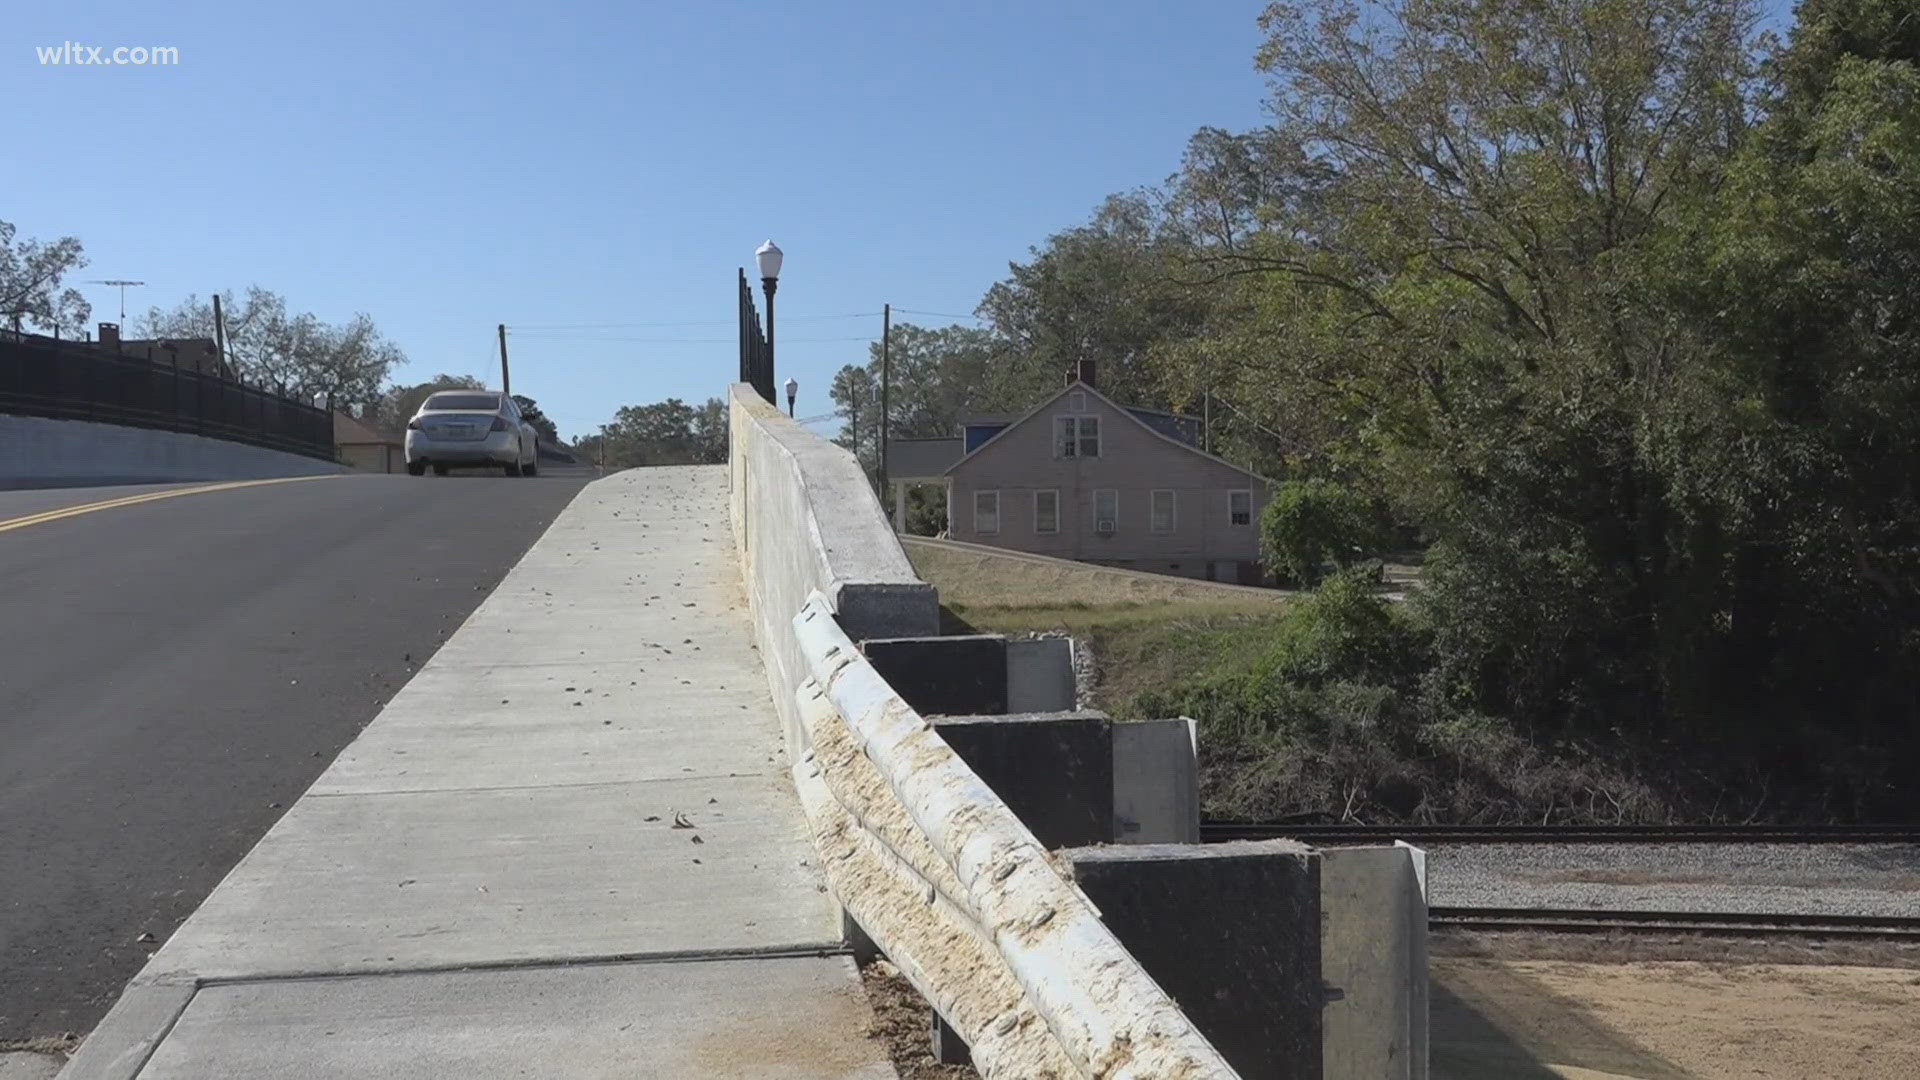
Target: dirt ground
1543,1008
1494,1019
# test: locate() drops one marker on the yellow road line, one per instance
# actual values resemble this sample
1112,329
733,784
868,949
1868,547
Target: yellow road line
108,504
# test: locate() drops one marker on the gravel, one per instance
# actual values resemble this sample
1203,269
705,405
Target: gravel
1823,879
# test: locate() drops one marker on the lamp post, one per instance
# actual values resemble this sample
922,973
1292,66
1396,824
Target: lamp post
793,390
768,257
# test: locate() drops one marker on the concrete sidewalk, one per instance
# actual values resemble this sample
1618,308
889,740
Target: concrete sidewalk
490,881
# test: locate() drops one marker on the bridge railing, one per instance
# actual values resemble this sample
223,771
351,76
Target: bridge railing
79,381
921,853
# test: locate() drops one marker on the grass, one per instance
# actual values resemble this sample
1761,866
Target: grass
1144,629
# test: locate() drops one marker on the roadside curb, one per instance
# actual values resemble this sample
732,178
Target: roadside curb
143,1017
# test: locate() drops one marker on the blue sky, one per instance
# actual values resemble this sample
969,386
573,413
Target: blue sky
445,167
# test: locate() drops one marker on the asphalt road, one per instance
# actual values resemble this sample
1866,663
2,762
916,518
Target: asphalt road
175,672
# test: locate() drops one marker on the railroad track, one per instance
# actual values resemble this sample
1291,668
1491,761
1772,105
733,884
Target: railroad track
1214,832
1713,924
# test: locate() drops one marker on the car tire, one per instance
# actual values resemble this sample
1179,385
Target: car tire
439,470
531,468
513,468
416,468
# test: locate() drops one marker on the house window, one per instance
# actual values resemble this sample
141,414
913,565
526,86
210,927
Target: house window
986,512
1076,436
1163,510
1106,510
1240,507
1046,511
1078,401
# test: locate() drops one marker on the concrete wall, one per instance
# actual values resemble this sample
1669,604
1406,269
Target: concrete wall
804,519
1373,951
37,452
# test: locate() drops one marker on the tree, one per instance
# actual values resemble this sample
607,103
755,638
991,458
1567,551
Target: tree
30,277
398,404
530,411
1104,292
937,376
856,390
711,432
297,353
1801,273
669,432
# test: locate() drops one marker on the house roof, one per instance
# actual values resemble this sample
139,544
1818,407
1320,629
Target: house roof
1116,406
914,458
348,431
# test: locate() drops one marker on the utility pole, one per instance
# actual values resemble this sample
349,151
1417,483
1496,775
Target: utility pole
506,383
886,334
1206,421
220,335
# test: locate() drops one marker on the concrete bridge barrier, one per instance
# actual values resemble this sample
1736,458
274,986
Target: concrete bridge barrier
1066,956
926,857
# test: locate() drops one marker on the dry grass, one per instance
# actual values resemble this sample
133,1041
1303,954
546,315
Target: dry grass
58,1046
902,1020
977,579
1143,628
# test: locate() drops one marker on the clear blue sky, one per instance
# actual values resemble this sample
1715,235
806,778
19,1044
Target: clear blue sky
448,166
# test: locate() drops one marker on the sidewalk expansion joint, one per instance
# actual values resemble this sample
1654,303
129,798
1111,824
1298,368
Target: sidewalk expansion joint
820,950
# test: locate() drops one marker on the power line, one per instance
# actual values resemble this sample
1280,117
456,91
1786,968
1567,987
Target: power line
687,341
517,327
939,314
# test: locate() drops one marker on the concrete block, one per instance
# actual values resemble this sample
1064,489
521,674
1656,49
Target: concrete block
1374,951
964,675
1053,770
1232,932
1156,782
1040,675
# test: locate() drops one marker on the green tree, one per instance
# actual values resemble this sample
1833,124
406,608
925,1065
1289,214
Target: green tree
530,411
669,432
1102,292
398,404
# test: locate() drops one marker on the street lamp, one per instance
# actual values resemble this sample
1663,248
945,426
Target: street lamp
793,389
768,257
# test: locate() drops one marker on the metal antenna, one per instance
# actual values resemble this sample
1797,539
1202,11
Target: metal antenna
123,294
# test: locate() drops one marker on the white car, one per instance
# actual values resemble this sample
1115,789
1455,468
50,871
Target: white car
457,428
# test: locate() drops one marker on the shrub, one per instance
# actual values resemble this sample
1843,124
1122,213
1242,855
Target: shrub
1316,523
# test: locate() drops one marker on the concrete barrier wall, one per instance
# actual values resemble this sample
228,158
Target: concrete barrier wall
1374,952
805,519
37,452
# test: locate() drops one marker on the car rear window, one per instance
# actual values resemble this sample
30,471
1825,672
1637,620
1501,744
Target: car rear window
482,402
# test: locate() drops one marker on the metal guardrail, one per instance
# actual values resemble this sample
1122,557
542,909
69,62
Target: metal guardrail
79,381
962,897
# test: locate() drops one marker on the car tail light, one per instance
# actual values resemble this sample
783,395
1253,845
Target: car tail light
499,423
413,424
